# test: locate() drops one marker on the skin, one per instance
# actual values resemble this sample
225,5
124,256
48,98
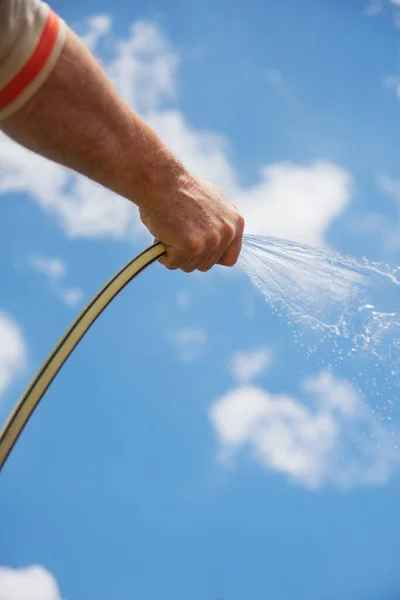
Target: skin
78,120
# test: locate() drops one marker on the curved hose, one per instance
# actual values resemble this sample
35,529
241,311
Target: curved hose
42,380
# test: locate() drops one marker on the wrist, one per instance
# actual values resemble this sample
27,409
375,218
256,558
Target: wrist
159,180
153,171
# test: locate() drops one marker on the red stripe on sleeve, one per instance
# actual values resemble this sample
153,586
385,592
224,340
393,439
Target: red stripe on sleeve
34,64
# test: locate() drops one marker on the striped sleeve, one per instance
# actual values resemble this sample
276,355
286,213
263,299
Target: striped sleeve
31,40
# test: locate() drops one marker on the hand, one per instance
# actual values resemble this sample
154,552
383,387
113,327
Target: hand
197,224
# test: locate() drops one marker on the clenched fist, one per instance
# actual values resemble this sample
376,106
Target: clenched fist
198,225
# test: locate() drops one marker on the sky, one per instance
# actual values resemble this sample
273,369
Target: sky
191,447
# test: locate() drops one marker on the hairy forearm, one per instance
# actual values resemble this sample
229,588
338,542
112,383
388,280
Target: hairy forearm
78,120
57,101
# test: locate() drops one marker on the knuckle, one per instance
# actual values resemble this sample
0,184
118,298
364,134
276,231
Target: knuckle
195,245
228,230
214,238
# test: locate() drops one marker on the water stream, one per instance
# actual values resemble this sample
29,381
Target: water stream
340,309
339,296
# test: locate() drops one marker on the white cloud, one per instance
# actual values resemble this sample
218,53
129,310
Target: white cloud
312,447
247,365
297,202
333,394
55,270
72,296
98,27
189,341
12,350
290,200
30,583
82,208
144,68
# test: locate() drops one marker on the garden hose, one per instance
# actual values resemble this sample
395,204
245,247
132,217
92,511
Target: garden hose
45,376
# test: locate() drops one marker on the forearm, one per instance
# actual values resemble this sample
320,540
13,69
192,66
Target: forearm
77,119
56,100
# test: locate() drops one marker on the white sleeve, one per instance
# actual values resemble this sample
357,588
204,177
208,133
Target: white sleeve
31,39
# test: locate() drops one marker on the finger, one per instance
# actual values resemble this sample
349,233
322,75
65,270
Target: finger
178,258
230,257
218,253
172,259
165,263
213,259
194,264
213,242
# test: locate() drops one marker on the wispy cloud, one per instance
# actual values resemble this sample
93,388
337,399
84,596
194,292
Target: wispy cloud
97,27
183,299
72,296
393,82
30,583
274,77
374,7
386,225
339,442
390,186
279,82
144,68
290,200
55,270
189,342
13,351
377,7
247,365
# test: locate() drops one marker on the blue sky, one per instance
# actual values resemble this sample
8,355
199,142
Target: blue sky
190,448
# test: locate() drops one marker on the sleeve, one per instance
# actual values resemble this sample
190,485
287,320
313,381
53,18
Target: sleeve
31,39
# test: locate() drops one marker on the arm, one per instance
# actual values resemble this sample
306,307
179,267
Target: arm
77,119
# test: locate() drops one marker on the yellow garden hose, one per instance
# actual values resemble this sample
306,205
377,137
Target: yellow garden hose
42,380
